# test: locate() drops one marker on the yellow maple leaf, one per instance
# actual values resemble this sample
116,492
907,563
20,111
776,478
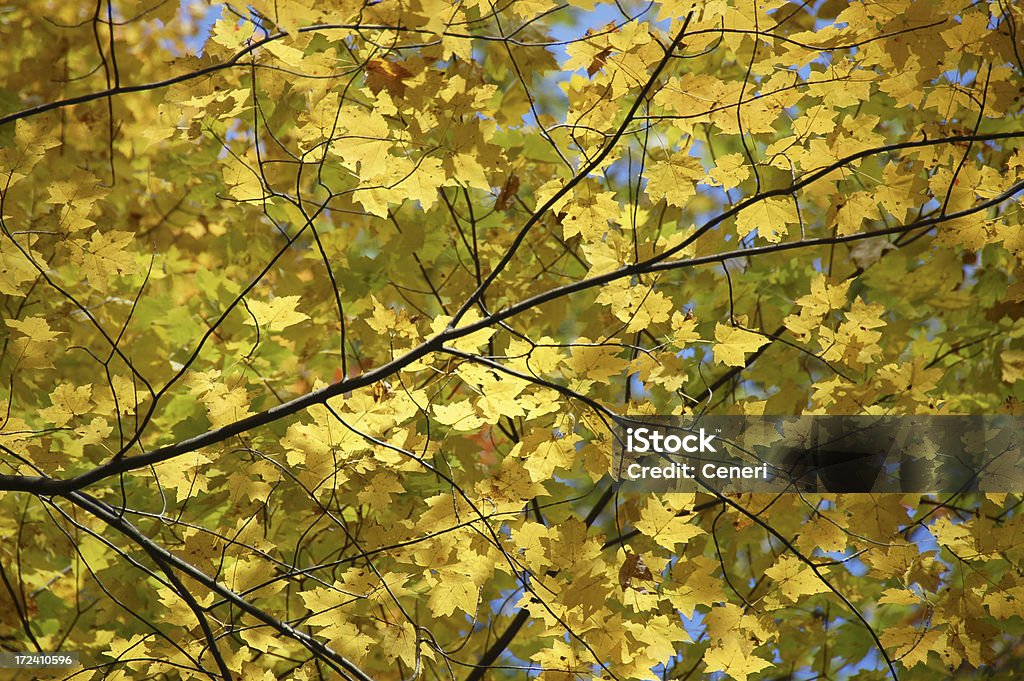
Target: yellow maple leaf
729,619
34,349
67,402
729,656
405,180
499,398
1012,365
851,212
471,342
590,217
899,191
803,324
399,640
451,590
639,306
94,432
509,488
185,476
545,452
1005,603
824,297
119,647
817,120
231,33
275,315
769,217
794,579
729,171
660,523
674,180
389,321
684,329
346,639
594,360
460,415
105,255
366,146
734,344
242,182
912,645
15,269
959,537
900,596
602,256
469,171
226,405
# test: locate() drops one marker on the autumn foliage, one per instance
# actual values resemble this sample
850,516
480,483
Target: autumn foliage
317,316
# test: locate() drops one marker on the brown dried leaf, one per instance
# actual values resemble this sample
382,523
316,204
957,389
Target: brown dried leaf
599,61
633,568
386,75
508,192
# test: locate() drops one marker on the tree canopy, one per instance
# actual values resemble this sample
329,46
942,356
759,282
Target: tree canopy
317,317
